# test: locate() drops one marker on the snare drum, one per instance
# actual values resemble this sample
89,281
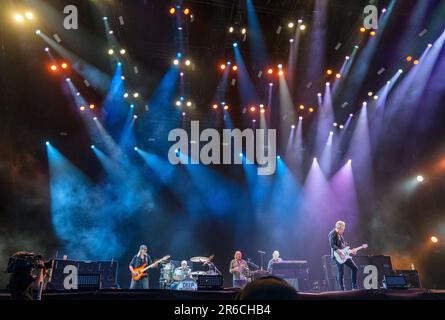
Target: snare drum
187,285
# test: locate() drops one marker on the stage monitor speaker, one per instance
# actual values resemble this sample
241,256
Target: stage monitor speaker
296,273
412,278
395,282
210,282
89,281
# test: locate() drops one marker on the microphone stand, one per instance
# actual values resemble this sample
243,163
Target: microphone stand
261,257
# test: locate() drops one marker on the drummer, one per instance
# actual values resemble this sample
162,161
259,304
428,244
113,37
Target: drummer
184,268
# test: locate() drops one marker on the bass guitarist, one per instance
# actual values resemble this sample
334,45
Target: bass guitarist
337,243
139,260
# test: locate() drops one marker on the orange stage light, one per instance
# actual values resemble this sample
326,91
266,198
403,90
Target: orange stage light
172,11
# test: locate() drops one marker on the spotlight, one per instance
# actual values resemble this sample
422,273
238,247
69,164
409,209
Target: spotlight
292,126
92,106
186,11
176,62
302,27
243,31
331,133
280,66
261,106
270,84
347,57
222,66
123,51
235,68
105,18
350,161
231,29
420,179
53,67
400,71
291,25
301,107
241,155
252,109
262,111
291,40
270,71
82,108
327,84
416,62
300,21
434,239
300,118
338,75
136,95
111,32
64,65
178,103
311,110
335,124
373,33
46,49
329,72
409,58
430,45
281,72
122,77
110,52
93,146
362,29
189,103
38,31
29,15
226,107
181,74
315,159
183,113
370,93
215,106
126,95
19,18
342,127
95,118
235,44
47,143
278,157
172,11
136,148
319,95
188,62
67,79
376,97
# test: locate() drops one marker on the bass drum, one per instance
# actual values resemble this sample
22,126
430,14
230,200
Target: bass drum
187,285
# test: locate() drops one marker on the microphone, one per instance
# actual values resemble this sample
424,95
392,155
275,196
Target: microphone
262,252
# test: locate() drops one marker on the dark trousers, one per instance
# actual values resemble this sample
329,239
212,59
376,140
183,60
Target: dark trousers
341,271
141,284
239,283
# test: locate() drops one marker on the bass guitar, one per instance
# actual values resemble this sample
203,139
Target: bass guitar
140,272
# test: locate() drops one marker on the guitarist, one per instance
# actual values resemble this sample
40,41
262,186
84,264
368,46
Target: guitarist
337,243
139,260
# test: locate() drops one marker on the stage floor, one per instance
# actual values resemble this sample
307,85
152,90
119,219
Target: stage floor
230,294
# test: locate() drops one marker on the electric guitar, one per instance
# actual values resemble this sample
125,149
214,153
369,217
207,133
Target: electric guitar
141,270
347,253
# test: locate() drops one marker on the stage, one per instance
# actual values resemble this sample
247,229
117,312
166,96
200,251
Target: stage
230,294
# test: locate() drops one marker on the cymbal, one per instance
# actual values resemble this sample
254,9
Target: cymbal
200,259
198,273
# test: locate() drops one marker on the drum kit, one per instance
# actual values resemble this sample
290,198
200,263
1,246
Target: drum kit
184,279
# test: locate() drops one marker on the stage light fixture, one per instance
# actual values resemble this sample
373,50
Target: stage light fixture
125,95
110,52
328,84
215,106
178,103
416,62
303,27
19,18
235,44
82,108
188,62
135,117
291,25
347,57
226,107
341,126
252,109
280,66
261,106
434,239
176,62
243,31
53,67
291,40
376,97
370,93
29,15
189,104
319,95
301,107
123,51
329,72
300,118
338,75
95,118
420,179
64,65
270,84
231,29
105,18
362,29
292,126
186,11
409,58
136,148
270,71
92,146
235,68
136,95
281,72
38,32
92,106
262,111
278,157
222,66
373,33
172,11
47,143
181,74
46,49
311,110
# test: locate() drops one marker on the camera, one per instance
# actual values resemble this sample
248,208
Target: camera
24,262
